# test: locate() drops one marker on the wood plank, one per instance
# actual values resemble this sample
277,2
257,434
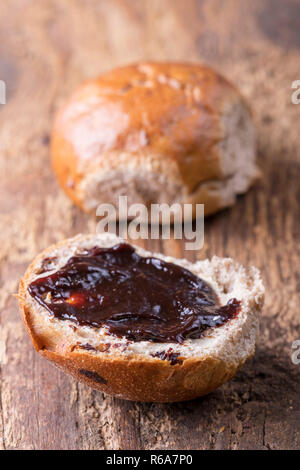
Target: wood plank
46,49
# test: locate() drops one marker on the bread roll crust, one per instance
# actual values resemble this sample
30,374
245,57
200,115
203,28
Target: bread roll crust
135,377
152,131
130,370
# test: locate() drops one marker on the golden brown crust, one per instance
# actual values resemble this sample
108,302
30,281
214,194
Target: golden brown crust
144,380
162,116
135,378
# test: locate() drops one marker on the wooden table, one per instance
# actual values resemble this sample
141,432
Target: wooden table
46,49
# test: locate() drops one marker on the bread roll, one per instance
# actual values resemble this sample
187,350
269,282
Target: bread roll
146,370
157,133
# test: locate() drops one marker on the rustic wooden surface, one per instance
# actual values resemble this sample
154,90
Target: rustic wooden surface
46,49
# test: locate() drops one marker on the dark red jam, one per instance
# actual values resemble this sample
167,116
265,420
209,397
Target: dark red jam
140,298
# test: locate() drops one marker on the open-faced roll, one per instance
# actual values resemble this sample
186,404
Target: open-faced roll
138,325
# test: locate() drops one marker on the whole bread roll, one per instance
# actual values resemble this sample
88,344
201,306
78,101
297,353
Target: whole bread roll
146,370
157,133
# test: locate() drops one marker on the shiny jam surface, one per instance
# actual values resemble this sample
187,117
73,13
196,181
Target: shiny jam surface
140,298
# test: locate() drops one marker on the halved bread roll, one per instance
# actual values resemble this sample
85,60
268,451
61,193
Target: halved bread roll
146,370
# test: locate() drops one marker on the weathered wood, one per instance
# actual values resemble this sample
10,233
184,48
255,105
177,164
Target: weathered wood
46,49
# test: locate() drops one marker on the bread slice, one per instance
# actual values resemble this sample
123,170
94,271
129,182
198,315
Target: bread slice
144,370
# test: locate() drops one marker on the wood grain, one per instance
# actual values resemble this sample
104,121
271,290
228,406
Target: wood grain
46,49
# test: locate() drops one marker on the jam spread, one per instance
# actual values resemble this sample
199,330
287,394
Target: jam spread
140,298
